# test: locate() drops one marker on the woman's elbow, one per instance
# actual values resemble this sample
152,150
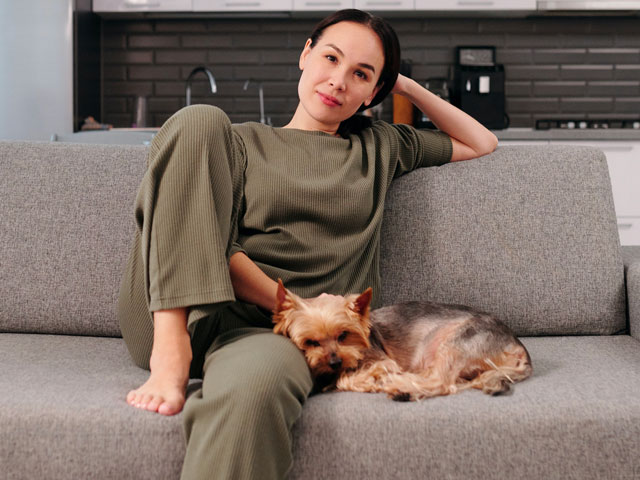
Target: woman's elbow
489,145
485,146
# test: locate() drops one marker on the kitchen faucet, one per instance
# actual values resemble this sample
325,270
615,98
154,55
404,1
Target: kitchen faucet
212,81
261,99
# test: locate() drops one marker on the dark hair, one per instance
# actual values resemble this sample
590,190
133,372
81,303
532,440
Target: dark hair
390,47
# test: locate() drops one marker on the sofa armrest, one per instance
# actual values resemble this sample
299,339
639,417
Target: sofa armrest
631,258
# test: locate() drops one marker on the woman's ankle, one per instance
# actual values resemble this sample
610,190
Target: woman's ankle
171,340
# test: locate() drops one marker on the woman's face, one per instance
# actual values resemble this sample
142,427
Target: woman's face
339,73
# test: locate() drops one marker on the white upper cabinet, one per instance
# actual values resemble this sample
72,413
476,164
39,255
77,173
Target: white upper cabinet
242,5
386,5
142,5
475,5
124,6
589,5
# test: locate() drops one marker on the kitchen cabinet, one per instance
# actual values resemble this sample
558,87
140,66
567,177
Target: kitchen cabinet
623,159
368,5
321,5
588,5
427,7
142,6
242,5
475,5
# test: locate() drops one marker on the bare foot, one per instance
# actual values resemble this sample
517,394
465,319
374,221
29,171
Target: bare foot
164,391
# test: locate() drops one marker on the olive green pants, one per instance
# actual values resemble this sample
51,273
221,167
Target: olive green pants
238,425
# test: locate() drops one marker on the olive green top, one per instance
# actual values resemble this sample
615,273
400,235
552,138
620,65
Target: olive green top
313,202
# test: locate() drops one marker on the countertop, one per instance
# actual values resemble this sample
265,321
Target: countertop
592,134
144,135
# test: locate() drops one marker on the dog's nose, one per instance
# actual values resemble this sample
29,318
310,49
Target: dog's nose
335,362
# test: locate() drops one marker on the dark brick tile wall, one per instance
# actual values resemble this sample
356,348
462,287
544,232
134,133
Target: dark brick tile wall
579,67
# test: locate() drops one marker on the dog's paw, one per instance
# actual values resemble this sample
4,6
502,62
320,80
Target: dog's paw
402,397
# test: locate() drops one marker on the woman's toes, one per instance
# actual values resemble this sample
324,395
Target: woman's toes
154,403
169,408
144,400
131,397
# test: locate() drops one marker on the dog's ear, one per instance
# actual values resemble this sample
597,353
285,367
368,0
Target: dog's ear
285,300
281,296
285,303
361,304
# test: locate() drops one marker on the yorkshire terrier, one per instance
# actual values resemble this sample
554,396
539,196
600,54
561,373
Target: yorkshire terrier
409,351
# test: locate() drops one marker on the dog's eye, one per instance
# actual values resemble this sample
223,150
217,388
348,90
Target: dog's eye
312,343
343,336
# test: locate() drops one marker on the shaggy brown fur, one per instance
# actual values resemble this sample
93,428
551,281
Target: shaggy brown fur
408,351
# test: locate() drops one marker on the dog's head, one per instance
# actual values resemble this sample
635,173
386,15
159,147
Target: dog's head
332,331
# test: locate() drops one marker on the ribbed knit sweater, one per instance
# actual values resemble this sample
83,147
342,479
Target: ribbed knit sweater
313,203
305,206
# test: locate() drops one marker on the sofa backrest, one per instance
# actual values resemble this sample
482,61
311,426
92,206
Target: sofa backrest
66,229
527,233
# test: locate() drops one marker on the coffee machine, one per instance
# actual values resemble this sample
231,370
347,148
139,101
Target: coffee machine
478,86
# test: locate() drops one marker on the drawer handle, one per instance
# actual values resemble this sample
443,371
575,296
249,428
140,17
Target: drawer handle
390,3
322,4
472,3
131,4
242,4
625,226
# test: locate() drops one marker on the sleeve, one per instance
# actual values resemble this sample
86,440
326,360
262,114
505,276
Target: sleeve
411,148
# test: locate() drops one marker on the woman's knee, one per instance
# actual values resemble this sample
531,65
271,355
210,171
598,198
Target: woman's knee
276,372
196,124
208,115
282,372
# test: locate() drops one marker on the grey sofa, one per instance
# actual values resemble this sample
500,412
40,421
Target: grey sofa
527,233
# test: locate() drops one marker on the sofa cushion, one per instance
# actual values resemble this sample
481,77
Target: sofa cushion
64,416
526,233
577,417
64,413
67,226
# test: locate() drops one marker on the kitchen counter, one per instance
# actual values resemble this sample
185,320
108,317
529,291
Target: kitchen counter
144,135
118,136
568,134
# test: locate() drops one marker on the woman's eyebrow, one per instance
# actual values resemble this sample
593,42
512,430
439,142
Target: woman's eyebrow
363,65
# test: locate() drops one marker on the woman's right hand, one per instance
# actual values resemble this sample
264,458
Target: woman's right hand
250,284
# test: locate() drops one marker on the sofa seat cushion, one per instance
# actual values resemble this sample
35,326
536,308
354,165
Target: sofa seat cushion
64,413
577,417
64,416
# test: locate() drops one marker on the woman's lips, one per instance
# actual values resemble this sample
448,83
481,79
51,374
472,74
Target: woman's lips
329,100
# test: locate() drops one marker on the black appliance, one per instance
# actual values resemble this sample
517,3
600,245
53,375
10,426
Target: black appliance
478,86
438,86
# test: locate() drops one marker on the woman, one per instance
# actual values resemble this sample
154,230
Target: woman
224,211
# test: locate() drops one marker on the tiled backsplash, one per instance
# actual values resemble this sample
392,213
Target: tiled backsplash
579,67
